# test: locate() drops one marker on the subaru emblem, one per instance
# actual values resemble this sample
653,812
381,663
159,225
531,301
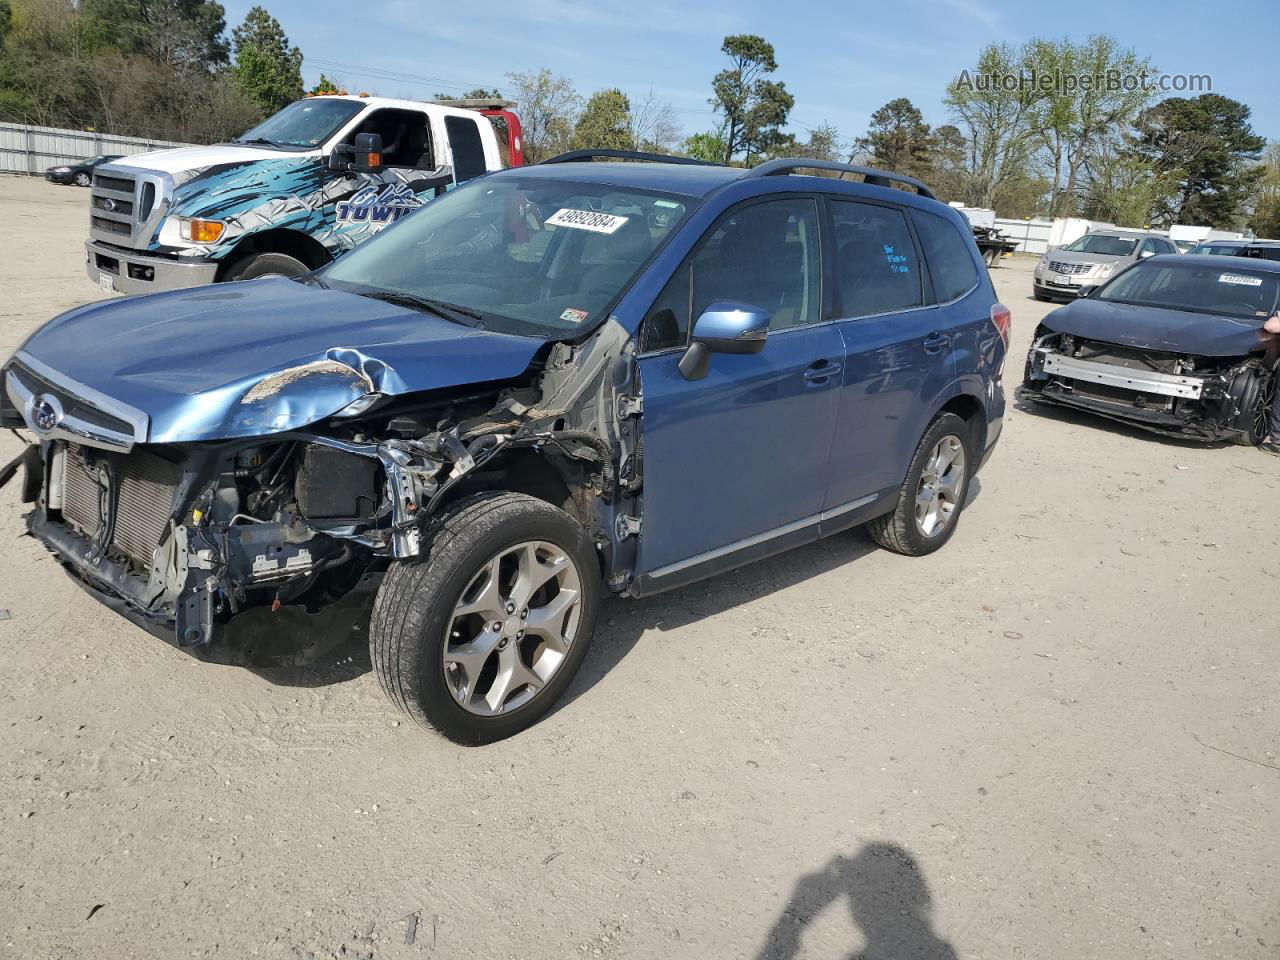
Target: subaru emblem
46,413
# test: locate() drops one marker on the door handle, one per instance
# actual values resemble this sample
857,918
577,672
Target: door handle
820,371
936,342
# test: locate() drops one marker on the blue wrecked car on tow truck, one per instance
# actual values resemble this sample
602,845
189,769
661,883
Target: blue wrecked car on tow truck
549,384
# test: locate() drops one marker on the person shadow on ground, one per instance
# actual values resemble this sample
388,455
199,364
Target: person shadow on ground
887,897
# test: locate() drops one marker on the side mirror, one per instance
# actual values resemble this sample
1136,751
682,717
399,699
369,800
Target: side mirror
1088,290
364,157
726,326
1147,253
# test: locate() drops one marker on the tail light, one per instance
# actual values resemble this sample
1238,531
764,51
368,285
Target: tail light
1003,320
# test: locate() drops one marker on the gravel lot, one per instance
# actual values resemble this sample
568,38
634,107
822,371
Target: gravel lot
1058,737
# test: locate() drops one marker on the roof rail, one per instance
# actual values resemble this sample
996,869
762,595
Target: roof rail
880,178
573,156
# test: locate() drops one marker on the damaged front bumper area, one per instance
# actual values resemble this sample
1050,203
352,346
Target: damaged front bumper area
267,551
1189,397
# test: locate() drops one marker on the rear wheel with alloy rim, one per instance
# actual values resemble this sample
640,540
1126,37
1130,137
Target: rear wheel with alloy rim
933,494
481,638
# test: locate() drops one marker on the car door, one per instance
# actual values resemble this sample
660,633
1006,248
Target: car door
897,352
738,458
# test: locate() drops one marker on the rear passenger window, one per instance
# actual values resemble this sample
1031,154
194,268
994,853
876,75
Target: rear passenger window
467,147
876,263
946,250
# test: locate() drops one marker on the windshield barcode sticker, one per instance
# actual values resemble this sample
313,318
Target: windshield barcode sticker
586,220
1240,281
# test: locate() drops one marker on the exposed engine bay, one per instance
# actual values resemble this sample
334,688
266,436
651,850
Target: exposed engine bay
1181,395
267,550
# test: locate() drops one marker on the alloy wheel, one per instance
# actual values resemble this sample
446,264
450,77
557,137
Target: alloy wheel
941,485
512,628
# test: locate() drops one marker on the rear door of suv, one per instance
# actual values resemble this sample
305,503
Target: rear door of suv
897,346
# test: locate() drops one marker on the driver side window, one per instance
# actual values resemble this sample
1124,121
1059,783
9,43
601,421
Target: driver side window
762,254
406,138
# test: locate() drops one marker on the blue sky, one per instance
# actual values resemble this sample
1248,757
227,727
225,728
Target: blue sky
840,60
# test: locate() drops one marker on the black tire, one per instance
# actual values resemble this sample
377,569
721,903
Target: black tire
82,179
1253,390
265,265
898,531
414,607
992,257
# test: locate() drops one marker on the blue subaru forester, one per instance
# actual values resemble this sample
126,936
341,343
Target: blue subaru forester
553,382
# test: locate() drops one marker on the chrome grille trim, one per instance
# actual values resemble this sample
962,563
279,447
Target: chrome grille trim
90,417
140,198
140,484
1071,269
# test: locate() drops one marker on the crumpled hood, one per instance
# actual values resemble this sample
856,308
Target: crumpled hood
263,356
1157,328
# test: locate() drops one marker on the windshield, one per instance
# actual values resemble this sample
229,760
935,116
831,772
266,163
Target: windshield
526,256
1199,289
303,124
1103,244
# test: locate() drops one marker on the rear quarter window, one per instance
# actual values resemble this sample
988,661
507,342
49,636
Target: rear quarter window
946,251
467,147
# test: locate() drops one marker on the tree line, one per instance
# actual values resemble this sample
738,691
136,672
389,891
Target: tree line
153,68
168,69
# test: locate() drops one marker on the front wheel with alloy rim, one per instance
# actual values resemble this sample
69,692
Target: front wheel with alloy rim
481,638
82,179
932,496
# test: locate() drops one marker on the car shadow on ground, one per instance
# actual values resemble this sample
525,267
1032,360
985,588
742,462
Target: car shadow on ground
1083,418
887,897
623,622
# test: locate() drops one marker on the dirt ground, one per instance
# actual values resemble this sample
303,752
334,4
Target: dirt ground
1058,737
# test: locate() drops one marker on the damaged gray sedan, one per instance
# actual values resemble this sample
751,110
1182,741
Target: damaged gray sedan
547,385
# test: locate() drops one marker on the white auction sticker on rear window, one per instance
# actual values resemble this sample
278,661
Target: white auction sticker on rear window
1240,281
586,220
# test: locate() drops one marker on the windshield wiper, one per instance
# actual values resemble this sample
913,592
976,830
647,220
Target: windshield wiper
450,311
263,140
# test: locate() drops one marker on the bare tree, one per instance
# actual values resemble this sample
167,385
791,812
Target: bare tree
654,126
549,108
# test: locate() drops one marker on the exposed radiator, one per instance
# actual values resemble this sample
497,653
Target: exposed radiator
142,486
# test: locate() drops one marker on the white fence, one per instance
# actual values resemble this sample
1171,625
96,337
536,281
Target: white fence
1032,236
25,149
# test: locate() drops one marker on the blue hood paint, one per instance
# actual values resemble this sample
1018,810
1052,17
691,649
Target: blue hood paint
1157,328
264,356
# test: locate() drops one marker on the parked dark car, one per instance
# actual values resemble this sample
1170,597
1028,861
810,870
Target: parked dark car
1174,345
80,174
1252,249
549,384
1219,248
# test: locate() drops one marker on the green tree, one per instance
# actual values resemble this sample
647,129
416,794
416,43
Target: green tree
605,123
323,86
705,146
1121,187
548,107
1075,117
266,68
996,118
754,107
173,33
1265,220
479,93
899,140
950,176
1206,146
6,19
